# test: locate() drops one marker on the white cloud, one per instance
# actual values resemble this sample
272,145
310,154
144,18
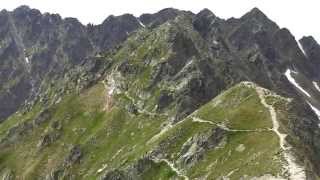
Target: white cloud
301,17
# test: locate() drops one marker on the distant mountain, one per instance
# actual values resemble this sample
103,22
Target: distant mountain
170,95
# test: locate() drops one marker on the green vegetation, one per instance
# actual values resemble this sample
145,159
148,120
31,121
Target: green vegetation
259,156
159,171
118,139
237,108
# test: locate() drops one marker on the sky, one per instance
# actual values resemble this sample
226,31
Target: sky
301,17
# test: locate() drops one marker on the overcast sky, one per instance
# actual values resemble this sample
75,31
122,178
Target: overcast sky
302,17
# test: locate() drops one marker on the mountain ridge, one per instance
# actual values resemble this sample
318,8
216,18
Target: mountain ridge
118,100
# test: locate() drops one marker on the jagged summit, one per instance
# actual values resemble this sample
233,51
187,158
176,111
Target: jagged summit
26,11
160,17
169,95
309,40
255,13
206,12
123,16
22,8
311,49
257,16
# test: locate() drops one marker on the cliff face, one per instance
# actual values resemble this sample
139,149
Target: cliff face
171,95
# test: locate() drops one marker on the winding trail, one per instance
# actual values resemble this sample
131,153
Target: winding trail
222,126
173,168
296,171
273,114
163,131
197,119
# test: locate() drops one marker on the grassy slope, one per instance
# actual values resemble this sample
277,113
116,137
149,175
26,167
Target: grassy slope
238,108
118,138
100,134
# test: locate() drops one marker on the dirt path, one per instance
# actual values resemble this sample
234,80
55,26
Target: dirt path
296,171
224,127
173,168
108,96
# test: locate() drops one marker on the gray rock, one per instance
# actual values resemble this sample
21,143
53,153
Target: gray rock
194,150
74,156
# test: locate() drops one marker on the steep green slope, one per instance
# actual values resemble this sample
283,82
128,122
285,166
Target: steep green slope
89,136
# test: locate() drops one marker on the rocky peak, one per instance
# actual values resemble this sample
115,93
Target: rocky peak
74,28
206,13
243,32
290,53
51,18
113,30
125,18
73,21
203,22
24,15
311,50
255,13
257,18
159,17
26,12
22,9
285,41
310,47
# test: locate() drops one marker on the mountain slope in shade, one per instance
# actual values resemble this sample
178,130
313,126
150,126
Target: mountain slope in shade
170,95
